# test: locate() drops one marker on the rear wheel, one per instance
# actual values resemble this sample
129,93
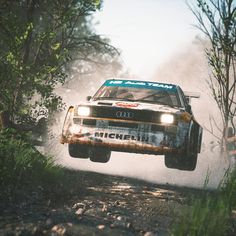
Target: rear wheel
181,161
101,155
172,161
78,151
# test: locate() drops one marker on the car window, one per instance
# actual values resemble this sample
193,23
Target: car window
184,100
157,96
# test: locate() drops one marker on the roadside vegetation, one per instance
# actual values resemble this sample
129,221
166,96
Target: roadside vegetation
45,44
211,213
217,21
26,175
214,213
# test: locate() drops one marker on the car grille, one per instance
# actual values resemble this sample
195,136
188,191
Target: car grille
126,114
156,128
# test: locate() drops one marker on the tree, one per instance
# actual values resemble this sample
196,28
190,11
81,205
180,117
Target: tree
217,20
39,39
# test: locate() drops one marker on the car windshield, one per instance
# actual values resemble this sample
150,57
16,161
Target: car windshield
157,96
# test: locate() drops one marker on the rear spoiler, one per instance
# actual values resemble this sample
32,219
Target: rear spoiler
190,95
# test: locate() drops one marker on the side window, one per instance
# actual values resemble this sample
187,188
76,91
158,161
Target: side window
175,99
182,97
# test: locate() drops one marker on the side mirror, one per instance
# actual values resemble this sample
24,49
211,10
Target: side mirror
189,109
188,100
88,98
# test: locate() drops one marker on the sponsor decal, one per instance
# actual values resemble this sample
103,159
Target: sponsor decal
117,136
126,104
139,84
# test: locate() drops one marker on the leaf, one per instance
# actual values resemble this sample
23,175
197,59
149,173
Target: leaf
56,46
97,3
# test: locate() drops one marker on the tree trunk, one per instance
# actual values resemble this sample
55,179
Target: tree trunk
5,121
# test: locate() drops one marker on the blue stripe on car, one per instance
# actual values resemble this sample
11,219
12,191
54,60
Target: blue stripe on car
139,84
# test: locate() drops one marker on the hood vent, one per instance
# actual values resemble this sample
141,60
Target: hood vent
105,103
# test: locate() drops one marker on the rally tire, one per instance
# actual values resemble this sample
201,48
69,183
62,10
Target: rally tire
78,151
100,155
192,144
172,161
181,161
190,162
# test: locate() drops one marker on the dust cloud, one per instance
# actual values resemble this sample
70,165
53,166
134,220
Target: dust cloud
189,69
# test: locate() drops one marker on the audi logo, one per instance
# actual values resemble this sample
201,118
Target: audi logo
124,114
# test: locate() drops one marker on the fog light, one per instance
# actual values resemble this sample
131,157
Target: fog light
167,118
83,111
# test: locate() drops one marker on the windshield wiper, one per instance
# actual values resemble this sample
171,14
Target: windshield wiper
154,94
103,98
114,98
156,102
167,104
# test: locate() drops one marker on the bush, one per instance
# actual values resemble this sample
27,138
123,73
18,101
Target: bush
23,169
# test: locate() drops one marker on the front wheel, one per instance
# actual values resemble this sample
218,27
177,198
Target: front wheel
188,159
77,150
101,155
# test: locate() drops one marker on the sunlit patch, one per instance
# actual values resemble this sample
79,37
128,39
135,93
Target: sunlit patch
122,186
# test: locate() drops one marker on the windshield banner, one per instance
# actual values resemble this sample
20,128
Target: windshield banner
139,84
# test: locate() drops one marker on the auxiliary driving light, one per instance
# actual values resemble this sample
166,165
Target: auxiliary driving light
167,118
83,111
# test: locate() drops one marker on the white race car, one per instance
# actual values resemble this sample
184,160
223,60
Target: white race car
138,117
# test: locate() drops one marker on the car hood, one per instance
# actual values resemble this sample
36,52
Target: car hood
132,105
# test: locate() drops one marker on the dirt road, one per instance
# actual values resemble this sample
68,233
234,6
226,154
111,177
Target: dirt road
101,205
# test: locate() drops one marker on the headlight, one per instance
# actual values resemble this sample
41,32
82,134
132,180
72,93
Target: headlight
167,118
83,111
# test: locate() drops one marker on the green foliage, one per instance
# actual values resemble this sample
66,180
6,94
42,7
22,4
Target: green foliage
210,214
228,189
38,39
23,169
217,21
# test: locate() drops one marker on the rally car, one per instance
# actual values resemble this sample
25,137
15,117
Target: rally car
137,117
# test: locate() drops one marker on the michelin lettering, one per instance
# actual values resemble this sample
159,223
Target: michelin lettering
142,138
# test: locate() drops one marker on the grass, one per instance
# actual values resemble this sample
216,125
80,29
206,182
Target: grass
26,174
211,213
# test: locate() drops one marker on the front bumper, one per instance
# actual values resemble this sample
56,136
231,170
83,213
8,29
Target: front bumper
138,136
127,140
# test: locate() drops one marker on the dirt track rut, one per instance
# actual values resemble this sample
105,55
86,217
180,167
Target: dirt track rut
106,205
